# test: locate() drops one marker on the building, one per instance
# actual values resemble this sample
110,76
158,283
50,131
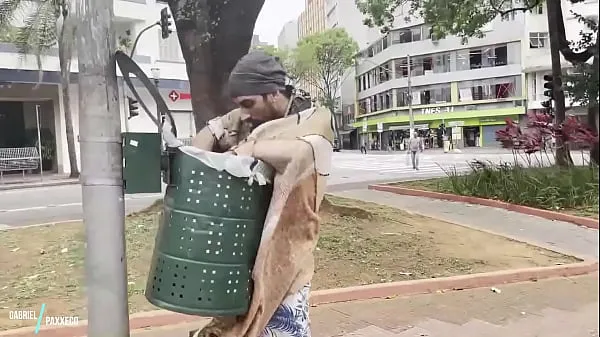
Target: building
23,88
471,88
311,21
536,49
345,14
257,43
288,37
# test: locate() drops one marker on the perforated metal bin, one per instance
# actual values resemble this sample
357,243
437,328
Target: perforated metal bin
207,240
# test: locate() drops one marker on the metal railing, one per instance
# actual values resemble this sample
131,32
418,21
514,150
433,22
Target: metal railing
18,159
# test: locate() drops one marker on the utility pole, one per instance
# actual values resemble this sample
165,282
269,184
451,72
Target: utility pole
411,116
101,172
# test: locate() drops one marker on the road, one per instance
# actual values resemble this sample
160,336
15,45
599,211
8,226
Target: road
350,170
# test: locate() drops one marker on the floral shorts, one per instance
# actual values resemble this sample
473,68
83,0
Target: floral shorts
291,318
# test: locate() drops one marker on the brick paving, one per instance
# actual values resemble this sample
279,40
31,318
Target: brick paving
563,307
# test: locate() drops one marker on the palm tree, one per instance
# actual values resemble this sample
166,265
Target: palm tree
47,23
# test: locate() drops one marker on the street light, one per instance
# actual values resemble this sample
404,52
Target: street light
156,76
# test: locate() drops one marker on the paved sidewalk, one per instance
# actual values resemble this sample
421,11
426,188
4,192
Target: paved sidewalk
554,235
565,307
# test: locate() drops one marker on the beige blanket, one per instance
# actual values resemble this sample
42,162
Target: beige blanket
299,148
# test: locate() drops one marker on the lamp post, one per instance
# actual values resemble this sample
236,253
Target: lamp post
156,76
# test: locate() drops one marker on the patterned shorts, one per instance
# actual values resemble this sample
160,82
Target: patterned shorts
291,318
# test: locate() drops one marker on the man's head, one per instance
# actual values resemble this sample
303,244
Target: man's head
257,85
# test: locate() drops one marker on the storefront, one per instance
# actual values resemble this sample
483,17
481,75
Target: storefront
476,128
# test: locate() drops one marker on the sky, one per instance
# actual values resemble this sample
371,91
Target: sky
275,14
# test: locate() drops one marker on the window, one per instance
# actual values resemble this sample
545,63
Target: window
441,63
501,55
538,40
539,10
475,58
416,33
169,49
462,60
435,94
494,88
508,16
401,68
401,97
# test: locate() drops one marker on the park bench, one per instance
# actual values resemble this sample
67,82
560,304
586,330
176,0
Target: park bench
18,159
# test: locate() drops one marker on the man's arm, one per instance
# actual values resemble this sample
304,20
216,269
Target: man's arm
204,139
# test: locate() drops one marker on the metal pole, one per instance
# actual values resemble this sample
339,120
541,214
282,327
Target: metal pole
411,116
39,136
137,39
125,106
158,114
101,172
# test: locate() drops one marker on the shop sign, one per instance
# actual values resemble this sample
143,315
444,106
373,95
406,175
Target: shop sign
437,110
364,125
380,127
456,124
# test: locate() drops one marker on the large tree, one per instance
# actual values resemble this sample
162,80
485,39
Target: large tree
213,35
48,23
466,18
324,58
287,58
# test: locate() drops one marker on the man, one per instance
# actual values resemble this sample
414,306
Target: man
415,144
257,84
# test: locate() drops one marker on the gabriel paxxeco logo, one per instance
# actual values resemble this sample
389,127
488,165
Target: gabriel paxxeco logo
47,320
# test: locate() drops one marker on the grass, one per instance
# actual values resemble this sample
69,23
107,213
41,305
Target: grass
573,190
361,243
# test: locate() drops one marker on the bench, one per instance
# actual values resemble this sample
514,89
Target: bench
18,159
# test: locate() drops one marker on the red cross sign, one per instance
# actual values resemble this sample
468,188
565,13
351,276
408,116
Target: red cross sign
174,95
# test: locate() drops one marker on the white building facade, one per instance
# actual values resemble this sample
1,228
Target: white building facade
470,88
288,37
22,91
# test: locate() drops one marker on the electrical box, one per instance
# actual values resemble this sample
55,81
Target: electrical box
142,163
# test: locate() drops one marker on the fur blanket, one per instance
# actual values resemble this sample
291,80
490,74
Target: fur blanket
299,148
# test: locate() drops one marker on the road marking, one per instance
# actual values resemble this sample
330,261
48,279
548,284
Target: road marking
8,228
15,210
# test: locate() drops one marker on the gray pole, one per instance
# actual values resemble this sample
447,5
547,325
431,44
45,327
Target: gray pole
39,136
101,172
411,116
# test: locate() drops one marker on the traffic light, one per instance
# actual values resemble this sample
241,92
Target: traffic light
133,107
549,92
165,23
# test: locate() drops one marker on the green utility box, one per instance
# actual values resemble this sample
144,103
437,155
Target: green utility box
141,162
207,240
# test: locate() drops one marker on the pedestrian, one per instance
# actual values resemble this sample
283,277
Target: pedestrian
363,148
415,145
257,86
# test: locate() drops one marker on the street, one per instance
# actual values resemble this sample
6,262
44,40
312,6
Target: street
350,170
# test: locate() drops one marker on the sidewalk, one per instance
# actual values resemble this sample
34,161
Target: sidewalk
554,235
565,307
13,182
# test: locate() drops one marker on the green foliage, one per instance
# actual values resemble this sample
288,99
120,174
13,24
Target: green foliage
39,31
582,86
324,58
288,60
541,187
463,18
8,34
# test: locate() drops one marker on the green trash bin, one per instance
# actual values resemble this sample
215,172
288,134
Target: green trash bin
207,240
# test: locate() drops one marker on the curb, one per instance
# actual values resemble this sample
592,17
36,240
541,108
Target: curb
20,186
542,213
163,318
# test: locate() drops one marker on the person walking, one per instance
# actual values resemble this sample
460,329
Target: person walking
363,148
415,145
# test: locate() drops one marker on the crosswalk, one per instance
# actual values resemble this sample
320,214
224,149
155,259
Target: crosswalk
394,164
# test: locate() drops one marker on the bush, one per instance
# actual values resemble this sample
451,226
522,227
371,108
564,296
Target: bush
541,187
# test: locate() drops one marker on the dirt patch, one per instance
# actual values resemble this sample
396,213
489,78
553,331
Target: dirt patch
361,243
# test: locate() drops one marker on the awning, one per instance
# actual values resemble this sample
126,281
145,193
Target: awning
407,127
345,132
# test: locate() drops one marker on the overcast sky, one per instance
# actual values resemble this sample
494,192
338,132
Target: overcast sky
274,14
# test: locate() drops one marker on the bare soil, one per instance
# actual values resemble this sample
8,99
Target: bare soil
361,243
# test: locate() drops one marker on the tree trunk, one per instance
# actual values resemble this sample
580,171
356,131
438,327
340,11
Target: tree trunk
65,54
592,111
213,36
563,156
